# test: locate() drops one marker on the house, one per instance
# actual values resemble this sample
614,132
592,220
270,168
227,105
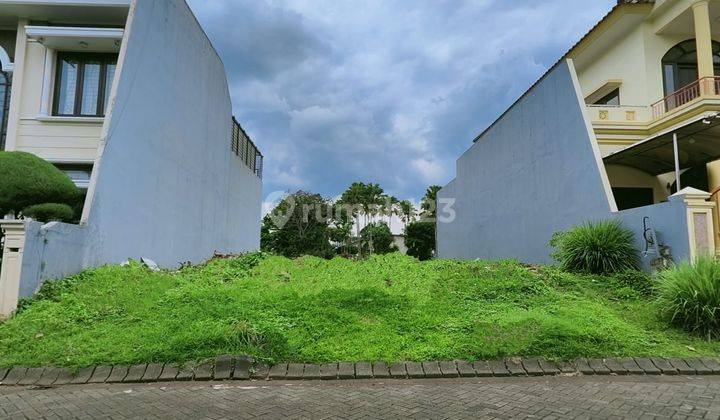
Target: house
626,125
131,100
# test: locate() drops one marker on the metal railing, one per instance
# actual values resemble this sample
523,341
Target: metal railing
706,86
245,149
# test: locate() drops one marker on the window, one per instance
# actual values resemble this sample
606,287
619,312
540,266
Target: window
79,174
612,98
679,65
82,84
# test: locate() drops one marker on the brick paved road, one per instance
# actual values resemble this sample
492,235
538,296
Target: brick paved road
547,397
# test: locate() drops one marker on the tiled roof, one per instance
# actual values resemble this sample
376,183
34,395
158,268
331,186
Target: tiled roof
635,1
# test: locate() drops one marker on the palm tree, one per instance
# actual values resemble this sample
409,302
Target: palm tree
429,202
406,211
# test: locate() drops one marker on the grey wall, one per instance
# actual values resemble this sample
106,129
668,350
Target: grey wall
168,186
531,174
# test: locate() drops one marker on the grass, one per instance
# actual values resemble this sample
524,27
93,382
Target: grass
387,308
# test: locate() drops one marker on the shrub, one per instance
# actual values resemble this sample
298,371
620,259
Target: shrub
49,212
604,247
689,296
382,238
420,239
28,180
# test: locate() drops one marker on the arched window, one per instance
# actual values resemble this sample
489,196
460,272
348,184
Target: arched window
680,65
4,105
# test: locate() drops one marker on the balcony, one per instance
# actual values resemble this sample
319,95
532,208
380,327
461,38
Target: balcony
707,86
618,113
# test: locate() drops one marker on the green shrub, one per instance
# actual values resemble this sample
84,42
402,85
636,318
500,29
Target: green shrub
50,212
28,180
382,238
604,247
689,296
420,239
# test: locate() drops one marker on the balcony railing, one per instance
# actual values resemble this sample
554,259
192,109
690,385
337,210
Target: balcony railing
245,149
707,86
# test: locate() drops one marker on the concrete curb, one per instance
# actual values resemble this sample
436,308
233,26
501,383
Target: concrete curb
243,368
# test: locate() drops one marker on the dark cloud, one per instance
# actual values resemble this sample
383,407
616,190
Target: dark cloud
386,91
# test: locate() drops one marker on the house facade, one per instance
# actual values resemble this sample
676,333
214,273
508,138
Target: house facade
131,100
624,126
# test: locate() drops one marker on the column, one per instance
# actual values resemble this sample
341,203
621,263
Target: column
703,39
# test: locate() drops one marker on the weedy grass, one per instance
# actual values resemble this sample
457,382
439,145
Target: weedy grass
386,308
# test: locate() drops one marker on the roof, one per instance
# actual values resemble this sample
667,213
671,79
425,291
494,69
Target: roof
620,3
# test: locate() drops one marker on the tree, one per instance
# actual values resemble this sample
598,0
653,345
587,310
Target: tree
382,238
420,239
429,202
299,225
27,180
364,200
406,211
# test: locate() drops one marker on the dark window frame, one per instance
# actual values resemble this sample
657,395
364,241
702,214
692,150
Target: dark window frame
605,100
83,59
684,55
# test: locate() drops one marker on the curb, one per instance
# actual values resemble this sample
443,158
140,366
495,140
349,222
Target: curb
243,368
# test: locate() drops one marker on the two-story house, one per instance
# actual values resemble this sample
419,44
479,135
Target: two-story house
628,113
131,100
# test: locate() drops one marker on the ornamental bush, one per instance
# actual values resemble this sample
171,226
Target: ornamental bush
28,180
689,296
420,239
50,212
604,247
381,237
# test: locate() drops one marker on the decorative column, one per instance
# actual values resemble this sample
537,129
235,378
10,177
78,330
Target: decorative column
701,230
11,269
703,39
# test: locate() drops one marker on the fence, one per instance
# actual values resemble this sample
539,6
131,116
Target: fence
245,149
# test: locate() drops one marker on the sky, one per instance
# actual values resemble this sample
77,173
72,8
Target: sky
393,92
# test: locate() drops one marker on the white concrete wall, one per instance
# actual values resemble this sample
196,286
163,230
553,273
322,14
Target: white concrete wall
166,184
537,172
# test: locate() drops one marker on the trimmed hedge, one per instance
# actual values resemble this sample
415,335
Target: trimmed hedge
50,212
28,180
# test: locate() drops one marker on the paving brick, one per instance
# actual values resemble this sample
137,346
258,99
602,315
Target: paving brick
699,367
515,366
397,370
711,364
100,374
329,371
681,366
295,371
48,377
363,370
311,372
567,367
381,370
346,370
83,375
465,369
631,366
259,371
135,373
549,367
414,369
203,371
598,366
532,367
647,366
432,369
15,375
186,372
278,371
497,367
482,368
152,374
664,365
32,375
223,368
118,373
243,365
170,372
449,369
3,373
616,367
584,367
64,377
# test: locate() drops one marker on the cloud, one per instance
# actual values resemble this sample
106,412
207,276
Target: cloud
386,91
